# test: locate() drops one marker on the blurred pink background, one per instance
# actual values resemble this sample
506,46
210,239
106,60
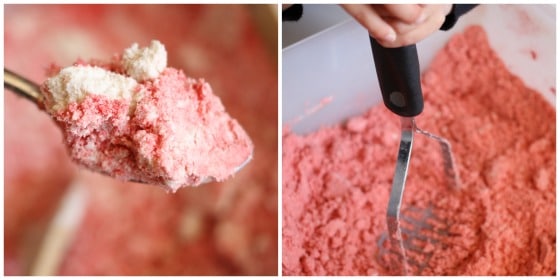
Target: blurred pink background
228,228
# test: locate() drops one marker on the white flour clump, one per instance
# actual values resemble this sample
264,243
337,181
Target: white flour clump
145,63
73,83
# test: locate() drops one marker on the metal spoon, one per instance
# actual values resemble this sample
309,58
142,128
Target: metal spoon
22,86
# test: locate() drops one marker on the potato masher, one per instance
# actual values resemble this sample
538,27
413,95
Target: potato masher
398,72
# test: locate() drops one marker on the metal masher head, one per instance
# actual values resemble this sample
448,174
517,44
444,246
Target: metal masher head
423,235
435,239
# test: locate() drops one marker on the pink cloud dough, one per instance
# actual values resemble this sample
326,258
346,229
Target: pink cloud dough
500,220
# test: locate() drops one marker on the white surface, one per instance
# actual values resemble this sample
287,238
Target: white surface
338,62
315,18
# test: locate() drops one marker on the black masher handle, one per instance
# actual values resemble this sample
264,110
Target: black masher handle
398,72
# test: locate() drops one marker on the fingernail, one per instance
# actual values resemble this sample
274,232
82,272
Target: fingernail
390,37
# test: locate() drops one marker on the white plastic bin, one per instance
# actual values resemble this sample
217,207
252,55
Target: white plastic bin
338,63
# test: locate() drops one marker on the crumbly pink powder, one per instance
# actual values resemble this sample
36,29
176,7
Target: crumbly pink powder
177,135
336,181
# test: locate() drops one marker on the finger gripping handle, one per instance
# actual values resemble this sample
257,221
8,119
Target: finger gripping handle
398,72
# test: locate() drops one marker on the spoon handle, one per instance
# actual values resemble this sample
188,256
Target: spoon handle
22,86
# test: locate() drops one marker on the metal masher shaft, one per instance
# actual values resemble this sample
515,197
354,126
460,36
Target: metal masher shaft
397,189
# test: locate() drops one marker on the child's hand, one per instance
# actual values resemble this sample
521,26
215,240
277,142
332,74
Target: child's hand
397,25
